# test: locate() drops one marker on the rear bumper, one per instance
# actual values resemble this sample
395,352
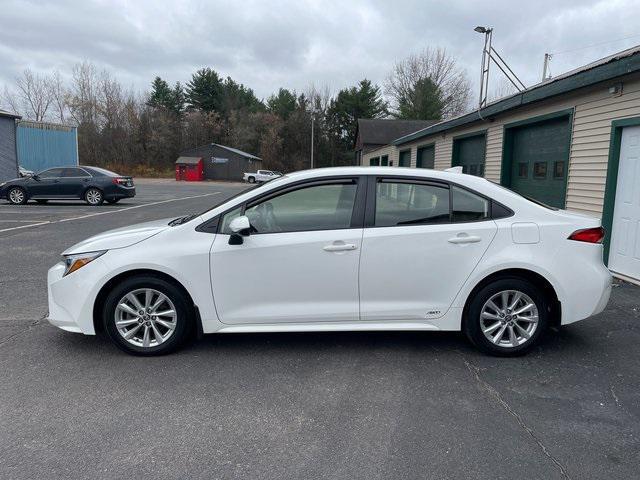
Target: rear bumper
588,294
121,192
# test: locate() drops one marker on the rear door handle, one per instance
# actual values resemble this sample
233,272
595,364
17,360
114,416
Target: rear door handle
463,238
339,246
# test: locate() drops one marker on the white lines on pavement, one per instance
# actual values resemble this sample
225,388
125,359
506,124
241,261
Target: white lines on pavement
18,221
48,222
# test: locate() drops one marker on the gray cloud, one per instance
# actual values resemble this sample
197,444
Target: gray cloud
293,44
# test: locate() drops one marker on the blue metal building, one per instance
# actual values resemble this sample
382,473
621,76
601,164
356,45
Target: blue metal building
8,154
45,145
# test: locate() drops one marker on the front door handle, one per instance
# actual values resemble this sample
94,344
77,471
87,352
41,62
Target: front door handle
339,247
463,238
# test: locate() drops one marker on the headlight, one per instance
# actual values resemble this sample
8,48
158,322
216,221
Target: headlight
77,261
3,184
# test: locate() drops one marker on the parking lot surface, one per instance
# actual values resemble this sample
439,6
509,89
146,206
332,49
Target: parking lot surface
332,405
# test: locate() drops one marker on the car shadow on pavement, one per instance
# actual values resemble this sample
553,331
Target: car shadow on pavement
567,340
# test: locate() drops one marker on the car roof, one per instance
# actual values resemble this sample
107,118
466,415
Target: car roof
478,184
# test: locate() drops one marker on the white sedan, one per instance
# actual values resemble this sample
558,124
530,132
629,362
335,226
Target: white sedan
340,249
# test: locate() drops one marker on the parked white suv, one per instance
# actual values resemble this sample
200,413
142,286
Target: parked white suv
260,176
337,249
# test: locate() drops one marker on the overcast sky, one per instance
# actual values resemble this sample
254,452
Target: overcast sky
293,44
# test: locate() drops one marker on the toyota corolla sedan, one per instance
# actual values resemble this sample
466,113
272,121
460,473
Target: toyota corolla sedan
338,249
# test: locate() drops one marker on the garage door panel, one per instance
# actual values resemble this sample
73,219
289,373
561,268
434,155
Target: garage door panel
539,160
426,157
470,153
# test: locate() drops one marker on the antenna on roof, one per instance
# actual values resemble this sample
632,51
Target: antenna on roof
490,54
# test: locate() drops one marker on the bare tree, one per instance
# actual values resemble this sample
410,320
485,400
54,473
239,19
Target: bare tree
35,94
59,96
504,88
10,101
440,68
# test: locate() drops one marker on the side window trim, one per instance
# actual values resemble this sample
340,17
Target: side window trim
357,217
372,181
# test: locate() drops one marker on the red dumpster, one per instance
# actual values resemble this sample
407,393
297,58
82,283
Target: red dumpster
190,169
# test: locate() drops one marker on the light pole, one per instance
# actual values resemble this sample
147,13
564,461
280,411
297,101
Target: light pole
312,122
490,54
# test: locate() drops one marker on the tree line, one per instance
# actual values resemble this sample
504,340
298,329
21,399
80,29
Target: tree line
144,133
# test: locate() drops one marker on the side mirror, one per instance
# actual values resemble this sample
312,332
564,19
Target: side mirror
241,227
35,177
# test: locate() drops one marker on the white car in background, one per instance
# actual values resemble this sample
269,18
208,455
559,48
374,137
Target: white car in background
337,249
260,176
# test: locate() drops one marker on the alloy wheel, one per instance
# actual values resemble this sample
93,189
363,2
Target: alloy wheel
16,195
509,318
94,197
145,317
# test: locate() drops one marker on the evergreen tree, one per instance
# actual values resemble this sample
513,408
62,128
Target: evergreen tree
283,104
362,101
422,102
205,91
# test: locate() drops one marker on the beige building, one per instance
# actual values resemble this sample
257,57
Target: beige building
570,142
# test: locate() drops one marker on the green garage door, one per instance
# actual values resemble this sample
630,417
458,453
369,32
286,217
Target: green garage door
539,154
469,153
405,158
426,157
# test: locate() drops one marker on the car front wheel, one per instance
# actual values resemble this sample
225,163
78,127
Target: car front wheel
93,196
507,317
146,315
17,196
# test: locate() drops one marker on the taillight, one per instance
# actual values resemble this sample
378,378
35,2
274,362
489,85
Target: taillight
589,235
119,181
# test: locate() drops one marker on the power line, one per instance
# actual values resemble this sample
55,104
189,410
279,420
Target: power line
596,44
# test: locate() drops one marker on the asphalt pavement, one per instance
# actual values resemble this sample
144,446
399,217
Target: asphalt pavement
331,405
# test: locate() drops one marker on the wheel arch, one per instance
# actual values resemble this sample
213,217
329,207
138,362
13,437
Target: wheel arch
529,275
106,288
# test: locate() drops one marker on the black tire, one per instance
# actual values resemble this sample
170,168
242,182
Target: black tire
94,196
184,319
473,323
17,196
251,180
42,202
111,201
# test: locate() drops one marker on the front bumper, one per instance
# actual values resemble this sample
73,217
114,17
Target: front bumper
71,298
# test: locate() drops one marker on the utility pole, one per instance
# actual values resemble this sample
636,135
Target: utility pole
545,67
312,122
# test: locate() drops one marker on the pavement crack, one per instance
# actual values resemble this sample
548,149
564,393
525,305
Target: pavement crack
24,330
615,397
475,371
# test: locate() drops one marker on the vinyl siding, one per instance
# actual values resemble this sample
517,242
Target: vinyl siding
390,150
594,110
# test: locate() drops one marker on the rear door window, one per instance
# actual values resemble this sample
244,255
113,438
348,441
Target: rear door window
74,173
467,206
402,203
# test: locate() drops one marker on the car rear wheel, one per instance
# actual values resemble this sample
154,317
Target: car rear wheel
17,196
507,317
146,315
93,196
251,180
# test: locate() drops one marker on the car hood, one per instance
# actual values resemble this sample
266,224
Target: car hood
120,237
